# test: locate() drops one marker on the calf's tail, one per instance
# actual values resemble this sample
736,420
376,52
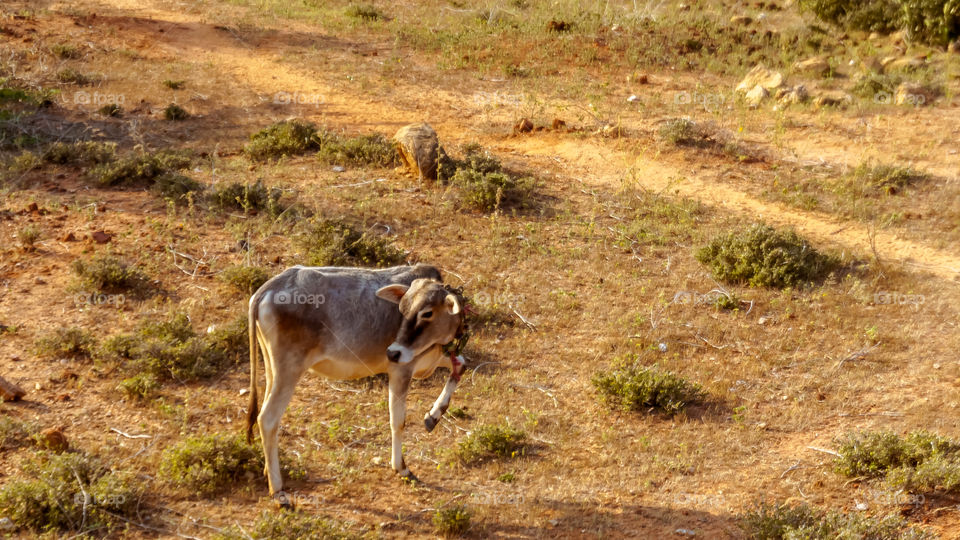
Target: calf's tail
254,408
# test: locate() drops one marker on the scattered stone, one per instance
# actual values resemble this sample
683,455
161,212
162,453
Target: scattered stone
244,391
632,98
6,525
39,281
419,149
559,124
10,391
873,36
832,100
32,208
814,66
339,168
913,94
69,237
643,78
523,126
756,95
683,7
685,532
53,439
741,20
906,63
792,96
609,130
559,26
101,237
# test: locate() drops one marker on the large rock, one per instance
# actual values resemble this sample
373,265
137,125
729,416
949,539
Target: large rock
419,150
760,76
906,63
792,96
813,66
755,96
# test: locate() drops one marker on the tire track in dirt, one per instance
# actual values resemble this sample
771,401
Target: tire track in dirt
263,71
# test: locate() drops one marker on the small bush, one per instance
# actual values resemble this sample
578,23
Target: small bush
373,150
287,138
72,76
175,113
491,191
451,522
140,169
764,257
334,243
208,464
684,132
141,386
918,461
632,387
61,492
285,524
869,179
174,85
935,22
14,433
80,153
244,279
365,12
491,442
108,274
69,342
65,51
28,236
249,198
112,110
176,187
786,522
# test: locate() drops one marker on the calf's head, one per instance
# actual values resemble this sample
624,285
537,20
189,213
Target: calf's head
431,316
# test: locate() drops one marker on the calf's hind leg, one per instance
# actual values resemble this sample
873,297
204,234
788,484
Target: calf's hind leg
286,374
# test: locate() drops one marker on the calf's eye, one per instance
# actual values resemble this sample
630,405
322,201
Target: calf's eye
426,315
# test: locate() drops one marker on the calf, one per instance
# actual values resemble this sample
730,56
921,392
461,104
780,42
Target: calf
348,323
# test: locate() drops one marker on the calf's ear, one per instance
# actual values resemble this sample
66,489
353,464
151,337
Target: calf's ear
453,305
393,293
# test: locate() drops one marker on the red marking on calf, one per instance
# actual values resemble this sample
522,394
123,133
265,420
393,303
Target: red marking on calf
456,368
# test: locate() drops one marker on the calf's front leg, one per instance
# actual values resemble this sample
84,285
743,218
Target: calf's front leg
399,387
440,406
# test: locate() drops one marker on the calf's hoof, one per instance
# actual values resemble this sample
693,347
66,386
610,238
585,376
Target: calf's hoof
282,500
429,422
409,477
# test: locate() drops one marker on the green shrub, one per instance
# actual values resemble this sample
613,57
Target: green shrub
491,442
684,132
452,521
918,461
72,76
869,179
28,236
80,153
287,138
69,342
244,279
174,85
140,169
765,257
171,349
14,432
108,274
112,110
175,113
176,187
372,150
65,51
366,12
796,522
209,464
935,22
931,21
69,492
633,387
284,524
141,386
248,198
334,243
491,191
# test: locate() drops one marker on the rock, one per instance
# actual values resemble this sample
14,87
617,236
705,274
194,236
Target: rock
632,98
32,208
338,168
53,439
873,64
419,149
755,96
741,20
523,126
69,237
6,525
760,76
913,94
101,237
609,130
559,124
683,7
643,78
906,63
792,96
10,391
559,26
873,36
813,66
